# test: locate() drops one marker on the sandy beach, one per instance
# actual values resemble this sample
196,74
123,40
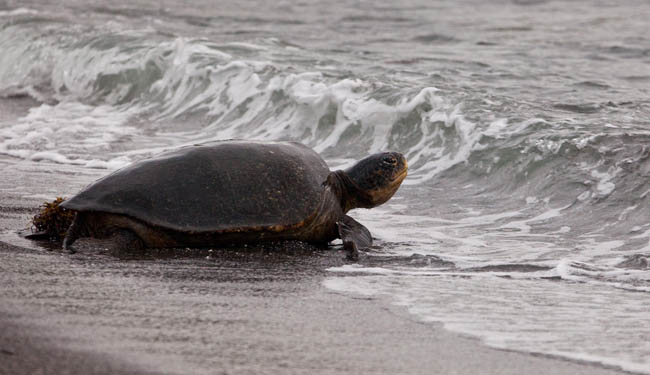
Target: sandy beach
259,311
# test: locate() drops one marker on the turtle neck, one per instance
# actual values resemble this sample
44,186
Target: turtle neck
349,193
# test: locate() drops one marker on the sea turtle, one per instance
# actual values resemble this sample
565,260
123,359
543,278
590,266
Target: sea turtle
234,192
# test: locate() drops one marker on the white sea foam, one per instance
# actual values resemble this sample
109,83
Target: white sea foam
68,133
605,185
17,12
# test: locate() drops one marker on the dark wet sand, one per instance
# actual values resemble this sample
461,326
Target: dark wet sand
238,312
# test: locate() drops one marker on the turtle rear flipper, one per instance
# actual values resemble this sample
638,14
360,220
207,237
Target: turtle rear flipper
354,235
73,233
126,241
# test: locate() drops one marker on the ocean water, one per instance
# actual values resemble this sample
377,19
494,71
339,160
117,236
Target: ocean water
525,217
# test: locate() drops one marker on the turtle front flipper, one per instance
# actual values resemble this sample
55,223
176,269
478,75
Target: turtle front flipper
354,235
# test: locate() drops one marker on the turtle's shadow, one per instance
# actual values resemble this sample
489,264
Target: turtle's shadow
283,249
269,262
263,251
281,255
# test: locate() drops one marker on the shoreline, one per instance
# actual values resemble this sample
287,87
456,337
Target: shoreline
236,313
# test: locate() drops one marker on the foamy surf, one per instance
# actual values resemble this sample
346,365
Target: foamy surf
496,277
518,314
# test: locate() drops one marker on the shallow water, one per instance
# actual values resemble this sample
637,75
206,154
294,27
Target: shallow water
525,123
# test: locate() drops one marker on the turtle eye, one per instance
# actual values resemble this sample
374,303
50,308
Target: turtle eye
389,160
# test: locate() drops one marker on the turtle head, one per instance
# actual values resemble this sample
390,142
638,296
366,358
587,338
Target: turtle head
375,179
